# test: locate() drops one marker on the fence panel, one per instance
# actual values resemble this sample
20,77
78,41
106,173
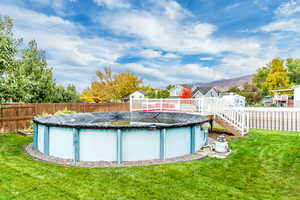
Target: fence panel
278,119
17,117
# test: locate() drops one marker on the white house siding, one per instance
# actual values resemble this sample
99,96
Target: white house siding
198,95
137,95
176,91
212,93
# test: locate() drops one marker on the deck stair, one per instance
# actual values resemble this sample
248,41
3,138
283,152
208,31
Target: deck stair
228,126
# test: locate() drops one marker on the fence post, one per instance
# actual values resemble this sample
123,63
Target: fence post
243,123
147,105
248,121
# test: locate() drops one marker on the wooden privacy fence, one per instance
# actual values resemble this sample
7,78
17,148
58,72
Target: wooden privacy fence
18,116
279,119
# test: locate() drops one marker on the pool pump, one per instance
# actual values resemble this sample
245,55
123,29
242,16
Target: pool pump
220,145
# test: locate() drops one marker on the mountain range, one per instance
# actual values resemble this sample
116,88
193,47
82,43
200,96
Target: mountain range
224,84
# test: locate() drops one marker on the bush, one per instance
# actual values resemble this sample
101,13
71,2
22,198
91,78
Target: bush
29,129
64,111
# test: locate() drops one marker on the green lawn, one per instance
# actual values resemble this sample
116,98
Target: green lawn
264,165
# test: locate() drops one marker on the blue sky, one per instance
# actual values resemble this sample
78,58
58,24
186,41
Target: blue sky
162,41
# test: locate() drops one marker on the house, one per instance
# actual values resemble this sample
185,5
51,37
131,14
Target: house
135,95
285,100
233,99
197,91
205,92
176,91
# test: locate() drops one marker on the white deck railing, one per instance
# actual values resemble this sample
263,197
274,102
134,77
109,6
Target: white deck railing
235,116
242,118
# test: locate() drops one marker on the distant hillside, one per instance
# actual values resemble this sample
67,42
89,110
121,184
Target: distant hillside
226,83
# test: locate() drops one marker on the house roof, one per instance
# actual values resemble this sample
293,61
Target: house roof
140,91
203,90
127,96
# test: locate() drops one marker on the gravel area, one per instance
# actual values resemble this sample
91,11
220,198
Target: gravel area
103,164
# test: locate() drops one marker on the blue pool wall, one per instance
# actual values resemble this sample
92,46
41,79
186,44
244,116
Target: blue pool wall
132,144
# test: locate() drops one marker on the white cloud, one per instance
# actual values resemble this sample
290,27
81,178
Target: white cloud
68,51
236,65
149,53
161,35
203,30
199,73
171,55
283,25
111,4
173,10
60,7
232,6
207,58
167,35
288,8
142,69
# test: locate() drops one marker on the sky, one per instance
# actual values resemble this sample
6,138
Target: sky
162,41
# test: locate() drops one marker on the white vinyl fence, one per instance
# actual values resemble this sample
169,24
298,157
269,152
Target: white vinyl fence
279,119
243,118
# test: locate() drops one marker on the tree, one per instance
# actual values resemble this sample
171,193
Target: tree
234,89
68,94
260,77
278,77
32,82
109,87
125,83
186,93
293,67
157,92
24,74
250,92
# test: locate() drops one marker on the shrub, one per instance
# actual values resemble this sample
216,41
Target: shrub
64,111
29,129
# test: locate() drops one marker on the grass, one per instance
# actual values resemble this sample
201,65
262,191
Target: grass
264,166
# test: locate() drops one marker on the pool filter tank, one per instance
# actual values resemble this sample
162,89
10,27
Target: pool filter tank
220,145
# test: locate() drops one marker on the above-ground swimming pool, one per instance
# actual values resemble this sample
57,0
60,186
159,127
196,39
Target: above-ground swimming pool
119,136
